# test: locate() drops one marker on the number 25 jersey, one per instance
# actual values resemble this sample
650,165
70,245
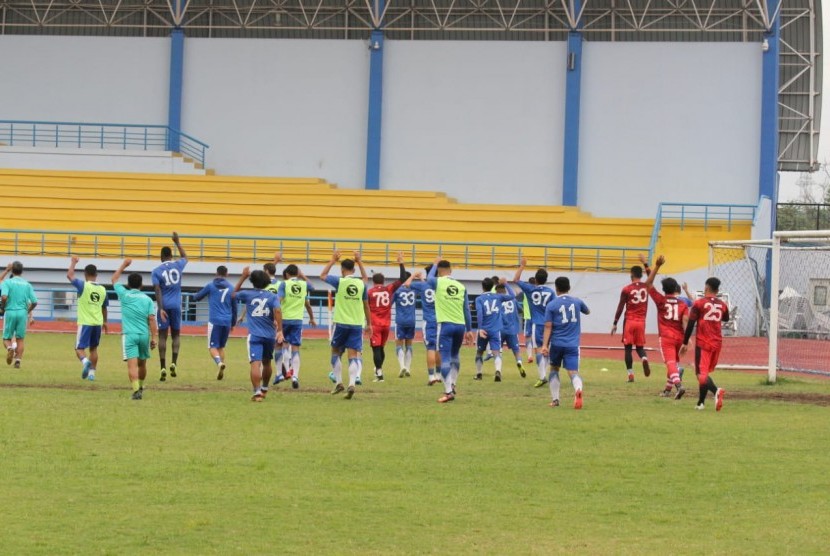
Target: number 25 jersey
709,312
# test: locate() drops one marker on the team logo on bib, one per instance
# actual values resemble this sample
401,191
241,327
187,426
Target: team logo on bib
296,289
452,290
351,290
95,297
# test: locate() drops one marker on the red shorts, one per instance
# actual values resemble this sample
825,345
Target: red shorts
670,348
706,360
634,333
379,335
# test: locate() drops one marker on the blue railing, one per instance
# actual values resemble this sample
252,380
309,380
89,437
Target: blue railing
101,136
697,213
316,250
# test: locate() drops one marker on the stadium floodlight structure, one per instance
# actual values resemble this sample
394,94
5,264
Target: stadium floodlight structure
534,20
780,320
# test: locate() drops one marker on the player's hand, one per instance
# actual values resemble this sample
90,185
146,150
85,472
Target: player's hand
31,320
368,330
126,263
642,259
469,338
105,329
545,351
153,343
613,329
9,266
503,281
240,320
482,334
661,260
280,337
312,322
278,257
175,237
163,315
357,258
246,271
418,275
75,259
400,257
523,262
335,256
683,349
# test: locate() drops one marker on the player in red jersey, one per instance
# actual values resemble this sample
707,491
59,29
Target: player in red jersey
709,312
672,318
634,299
380,308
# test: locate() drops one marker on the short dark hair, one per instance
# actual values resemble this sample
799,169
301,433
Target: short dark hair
532,280
428,268
500,286
562,284
134,281
221,270
347,264
91,270
378,278
487,284
259,279
444,263
713,283
670,285
270,268
637,271
17,268
406,275
291,270
541,276
166,253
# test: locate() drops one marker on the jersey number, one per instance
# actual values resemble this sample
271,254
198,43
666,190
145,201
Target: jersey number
381,299
672,312
713,312
638,296
260,309
508,307
224,294
171,277
564,312
406,299
540,298
490,306
430,296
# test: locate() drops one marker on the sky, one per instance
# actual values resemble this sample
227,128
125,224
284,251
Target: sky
788,191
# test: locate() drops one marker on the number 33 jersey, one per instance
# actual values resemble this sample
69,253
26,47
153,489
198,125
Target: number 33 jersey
670,313
709,313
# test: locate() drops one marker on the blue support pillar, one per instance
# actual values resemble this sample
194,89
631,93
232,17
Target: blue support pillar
768,175
174,111
375,109
573,93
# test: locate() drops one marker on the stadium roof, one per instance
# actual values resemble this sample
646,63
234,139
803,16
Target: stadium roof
509,20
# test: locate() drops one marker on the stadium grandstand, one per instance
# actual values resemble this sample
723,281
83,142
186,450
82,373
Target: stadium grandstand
576,134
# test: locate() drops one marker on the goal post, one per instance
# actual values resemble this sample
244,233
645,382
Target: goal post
778,293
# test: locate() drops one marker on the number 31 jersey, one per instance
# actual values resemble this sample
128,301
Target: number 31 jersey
670,313
709,312
168,276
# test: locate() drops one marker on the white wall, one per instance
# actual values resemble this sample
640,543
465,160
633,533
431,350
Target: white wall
668,122
84,79
482,121
279,107
95,160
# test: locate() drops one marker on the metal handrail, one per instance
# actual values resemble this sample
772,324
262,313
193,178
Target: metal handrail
33,133
699,212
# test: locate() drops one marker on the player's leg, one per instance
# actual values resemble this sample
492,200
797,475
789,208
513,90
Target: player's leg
94,342
164,327
629,361
495,348
554,383
408,353
175,318
455,353
702,362
571,364
444,332
81,344
481,346
512,341
541,360
668,352
132,375
268,346
354,347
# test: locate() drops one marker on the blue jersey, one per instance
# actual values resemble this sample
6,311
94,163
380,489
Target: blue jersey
510,316
685,300
404,299
168,276
221,305
564,313
488,311
427,295
261,305
538,297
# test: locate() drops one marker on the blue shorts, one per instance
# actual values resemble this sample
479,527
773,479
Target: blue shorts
512,341
174,320
260,348
404,332
87,336
218,335
450,339
347,337
493,339
527,328
430,332
292,331
537,334
567,357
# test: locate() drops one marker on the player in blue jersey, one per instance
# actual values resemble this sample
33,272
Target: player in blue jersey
221,316
264,328
404,301
488,313
538,296
167,281
561,339
510,324
430,328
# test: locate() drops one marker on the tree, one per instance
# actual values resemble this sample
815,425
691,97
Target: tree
811,211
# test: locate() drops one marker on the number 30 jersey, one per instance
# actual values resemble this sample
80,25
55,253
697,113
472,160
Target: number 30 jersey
168,276
709,313
635,298
670,313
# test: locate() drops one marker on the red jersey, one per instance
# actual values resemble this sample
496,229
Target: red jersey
670,313
709,313
380,303
634,298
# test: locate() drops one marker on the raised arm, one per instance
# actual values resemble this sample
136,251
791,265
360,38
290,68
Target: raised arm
359,260
402,267
417,276
518,276
5,272
687,292
335,256
117,274
652,274
182,254
70,272
245,273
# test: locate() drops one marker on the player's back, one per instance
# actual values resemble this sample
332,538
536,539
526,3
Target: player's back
168,277
539,296
260,305
509,316
380,304
427,295
565,313
636,301
709,312
488,311
220,300
670,313
405,306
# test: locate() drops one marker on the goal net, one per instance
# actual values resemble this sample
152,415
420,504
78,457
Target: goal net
787,331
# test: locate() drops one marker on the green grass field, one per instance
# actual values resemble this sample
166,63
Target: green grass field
195,468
